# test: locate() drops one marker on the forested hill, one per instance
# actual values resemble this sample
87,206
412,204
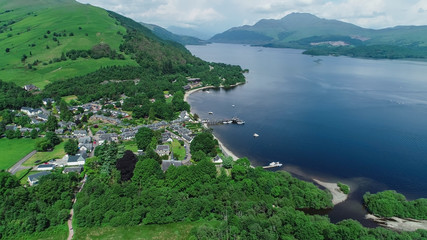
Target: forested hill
167,35
43,41
331,37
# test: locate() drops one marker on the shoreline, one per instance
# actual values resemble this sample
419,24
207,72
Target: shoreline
224,149
337,195
188,93
399,224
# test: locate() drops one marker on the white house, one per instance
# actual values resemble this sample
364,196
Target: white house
45,167
163,150
77,160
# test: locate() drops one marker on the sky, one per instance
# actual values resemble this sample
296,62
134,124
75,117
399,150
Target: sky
216,16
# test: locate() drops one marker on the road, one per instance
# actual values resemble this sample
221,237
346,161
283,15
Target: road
186,161
70,220
18,166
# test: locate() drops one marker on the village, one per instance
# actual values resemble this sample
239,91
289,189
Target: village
96,123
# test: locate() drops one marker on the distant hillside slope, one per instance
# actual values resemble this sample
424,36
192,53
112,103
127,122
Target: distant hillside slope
166,35
35,34
306,31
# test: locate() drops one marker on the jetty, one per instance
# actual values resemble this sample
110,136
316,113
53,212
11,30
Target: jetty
233,120
273,165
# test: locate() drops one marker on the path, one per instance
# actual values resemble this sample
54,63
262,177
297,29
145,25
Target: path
70,220
18,166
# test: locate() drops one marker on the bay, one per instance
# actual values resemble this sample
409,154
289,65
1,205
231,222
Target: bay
359,121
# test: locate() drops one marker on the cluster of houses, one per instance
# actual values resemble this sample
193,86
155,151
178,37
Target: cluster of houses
183,132
129,133
71,164
105,119
36,115
192,83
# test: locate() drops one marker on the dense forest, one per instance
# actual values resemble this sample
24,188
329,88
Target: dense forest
392,204
27,210
249,203
375,51
14,97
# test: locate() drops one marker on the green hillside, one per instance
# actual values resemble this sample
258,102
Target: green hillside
44,29
326,37
166,35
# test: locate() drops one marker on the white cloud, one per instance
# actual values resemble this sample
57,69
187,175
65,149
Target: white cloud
220,15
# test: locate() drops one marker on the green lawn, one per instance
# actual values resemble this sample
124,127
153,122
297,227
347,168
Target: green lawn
178,150
13,150
68,99
58,152
131,145
173,231
23,174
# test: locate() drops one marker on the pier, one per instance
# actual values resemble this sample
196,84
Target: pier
233,120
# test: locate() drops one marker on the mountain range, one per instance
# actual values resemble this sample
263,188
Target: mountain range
306,31
168,35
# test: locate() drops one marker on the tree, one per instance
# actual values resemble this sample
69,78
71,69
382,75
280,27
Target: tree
18,133
7,50
52,123
126,165
53,138
143,138
65,114
227,162
10,134
34,134
204,142
71,147
147,172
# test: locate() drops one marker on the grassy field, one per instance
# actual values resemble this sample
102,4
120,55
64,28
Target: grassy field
58,152
68,99
23,174
173,231
178,150
12,150
131,145
53,233
81,27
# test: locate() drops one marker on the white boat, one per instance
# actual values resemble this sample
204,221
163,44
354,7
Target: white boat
256,135
240,122
233,105
210,112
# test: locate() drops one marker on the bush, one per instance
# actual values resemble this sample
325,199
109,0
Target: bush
344,188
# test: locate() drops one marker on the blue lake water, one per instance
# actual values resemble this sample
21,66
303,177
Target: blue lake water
359,121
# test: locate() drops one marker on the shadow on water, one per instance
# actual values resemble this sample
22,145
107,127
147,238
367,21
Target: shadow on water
353,207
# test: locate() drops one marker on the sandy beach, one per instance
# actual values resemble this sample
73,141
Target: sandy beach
337,195
188,93
224,149
399,224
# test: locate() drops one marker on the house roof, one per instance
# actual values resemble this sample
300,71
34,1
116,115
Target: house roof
37,176
162,148
75,158
167,163
45,166
78,169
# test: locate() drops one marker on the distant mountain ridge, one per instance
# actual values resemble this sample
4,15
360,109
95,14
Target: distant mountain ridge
306,31
167,35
